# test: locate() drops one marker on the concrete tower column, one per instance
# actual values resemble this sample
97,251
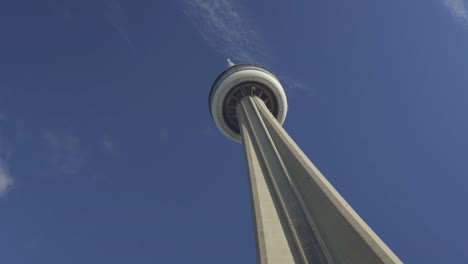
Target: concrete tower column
299,217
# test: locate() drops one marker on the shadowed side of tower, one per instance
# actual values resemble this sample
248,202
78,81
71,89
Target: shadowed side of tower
299,217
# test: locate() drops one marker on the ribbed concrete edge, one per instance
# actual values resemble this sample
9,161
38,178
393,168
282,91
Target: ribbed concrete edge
348,238
273,239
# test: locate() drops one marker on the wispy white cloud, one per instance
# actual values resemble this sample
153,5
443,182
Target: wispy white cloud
225,28
64,152
6,181
109,146
458,9
295,88
116,16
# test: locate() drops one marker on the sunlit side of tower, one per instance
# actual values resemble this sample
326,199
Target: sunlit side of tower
299,217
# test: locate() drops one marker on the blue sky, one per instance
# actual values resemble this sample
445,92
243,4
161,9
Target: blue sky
108,153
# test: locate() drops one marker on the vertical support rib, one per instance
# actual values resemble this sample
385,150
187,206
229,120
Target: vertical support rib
299,217
265,161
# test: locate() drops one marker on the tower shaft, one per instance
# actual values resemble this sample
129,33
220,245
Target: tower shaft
299,217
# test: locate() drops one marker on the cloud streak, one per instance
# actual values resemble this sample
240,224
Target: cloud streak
64,152
458,10
6,181
116,16
109,146
226,29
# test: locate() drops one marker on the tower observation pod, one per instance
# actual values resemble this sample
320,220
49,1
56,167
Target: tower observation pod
299,217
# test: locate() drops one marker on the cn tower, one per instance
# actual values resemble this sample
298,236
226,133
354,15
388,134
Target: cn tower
299,217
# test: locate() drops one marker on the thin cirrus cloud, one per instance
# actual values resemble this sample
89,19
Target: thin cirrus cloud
65,154
458,10
117,18
6,181
223,26
109,146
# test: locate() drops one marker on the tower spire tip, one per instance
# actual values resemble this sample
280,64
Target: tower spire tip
229,63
